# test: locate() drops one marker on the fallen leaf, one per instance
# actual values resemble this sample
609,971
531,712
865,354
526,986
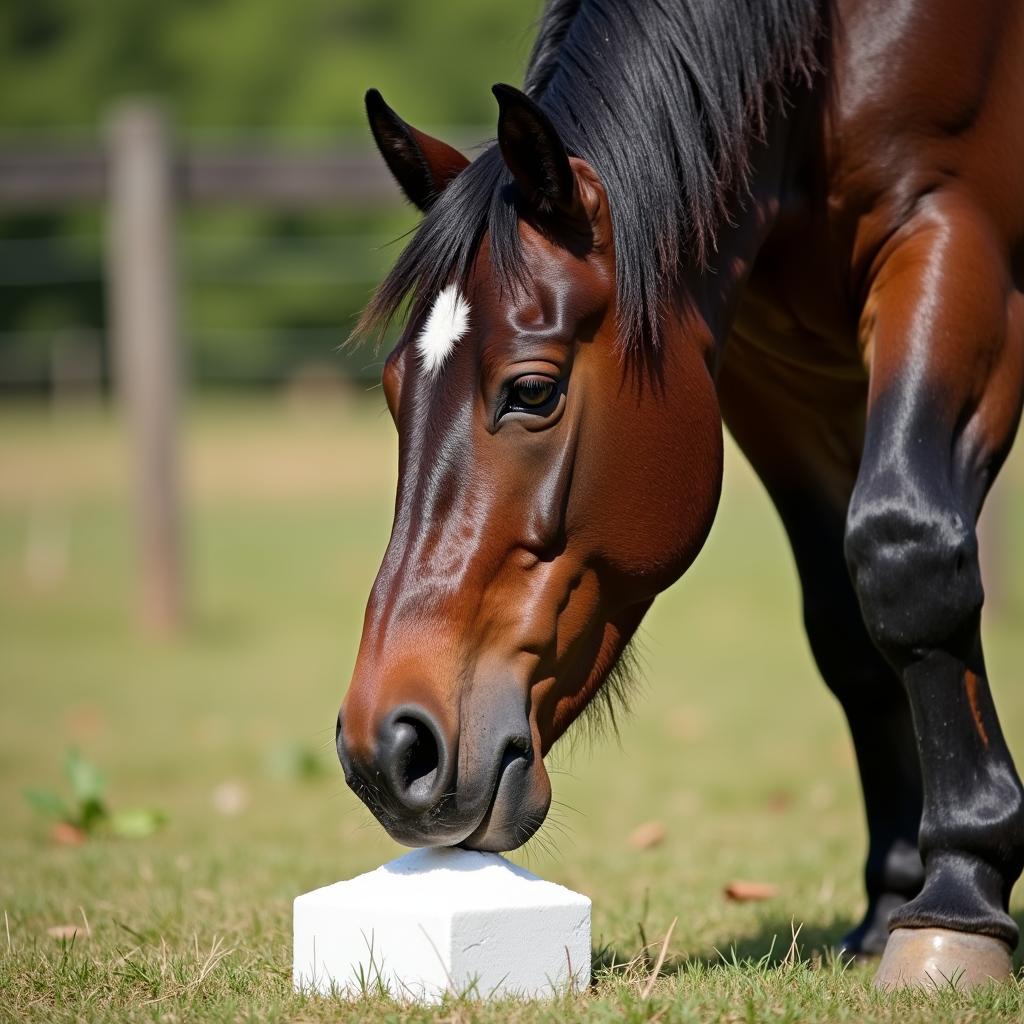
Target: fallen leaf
66,931
230,798
745,892
64,833
779,800
647,835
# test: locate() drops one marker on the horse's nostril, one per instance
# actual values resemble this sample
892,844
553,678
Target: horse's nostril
418,759
413,757
516,749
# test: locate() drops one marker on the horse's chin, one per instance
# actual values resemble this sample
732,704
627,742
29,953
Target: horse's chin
520,805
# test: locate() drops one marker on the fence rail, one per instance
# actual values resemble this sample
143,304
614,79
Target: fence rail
54,176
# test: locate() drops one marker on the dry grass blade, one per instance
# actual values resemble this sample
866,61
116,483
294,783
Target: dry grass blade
218,951
649,987
792,954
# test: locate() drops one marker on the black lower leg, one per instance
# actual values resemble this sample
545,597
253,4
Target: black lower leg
972,828
913,556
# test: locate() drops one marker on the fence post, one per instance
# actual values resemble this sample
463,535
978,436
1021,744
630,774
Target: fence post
143,315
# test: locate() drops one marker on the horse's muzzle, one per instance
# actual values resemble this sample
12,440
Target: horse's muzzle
409,777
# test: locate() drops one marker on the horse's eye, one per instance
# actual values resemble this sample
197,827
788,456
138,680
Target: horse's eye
532,393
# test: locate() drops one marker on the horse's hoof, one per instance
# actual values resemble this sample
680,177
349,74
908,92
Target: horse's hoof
936,958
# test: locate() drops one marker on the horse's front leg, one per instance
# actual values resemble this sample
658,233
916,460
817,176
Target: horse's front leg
944,327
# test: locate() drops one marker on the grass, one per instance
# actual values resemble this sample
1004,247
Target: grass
734,746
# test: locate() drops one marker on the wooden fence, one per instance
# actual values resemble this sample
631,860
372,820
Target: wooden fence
141,176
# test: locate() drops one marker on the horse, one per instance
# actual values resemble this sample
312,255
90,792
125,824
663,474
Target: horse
803,219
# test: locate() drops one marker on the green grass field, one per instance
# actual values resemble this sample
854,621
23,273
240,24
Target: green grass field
734,746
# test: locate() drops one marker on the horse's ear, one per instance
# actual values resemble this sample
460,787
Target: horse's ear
532,150
421,164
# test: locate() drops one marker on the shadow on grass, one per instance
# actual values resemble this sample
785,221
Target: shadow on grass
770,946
773,940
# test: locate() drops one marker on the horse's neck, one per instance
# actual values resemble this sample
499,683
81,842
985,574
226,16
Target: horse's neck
716,290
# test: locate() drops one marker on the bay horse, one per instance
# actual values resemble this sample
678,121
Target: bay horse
804,218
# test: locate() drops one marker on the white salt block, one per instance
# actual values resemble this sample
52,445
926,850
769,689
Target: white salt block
442,920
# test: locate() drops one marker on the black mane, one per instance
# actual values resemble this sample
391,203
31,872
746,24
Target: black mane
664,99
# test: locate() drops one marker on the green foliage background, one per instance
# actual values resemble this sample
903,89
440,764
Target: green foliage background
264,290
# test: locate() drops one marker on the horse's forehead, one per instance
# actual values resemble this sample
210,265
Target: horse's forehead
556,289
447,322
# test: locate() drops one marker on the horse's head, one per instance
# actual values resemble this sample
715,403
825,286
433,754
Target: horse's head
552,480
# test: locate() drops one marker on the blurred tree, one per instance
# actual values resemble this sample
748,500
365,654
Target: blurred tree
239,65
289,71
